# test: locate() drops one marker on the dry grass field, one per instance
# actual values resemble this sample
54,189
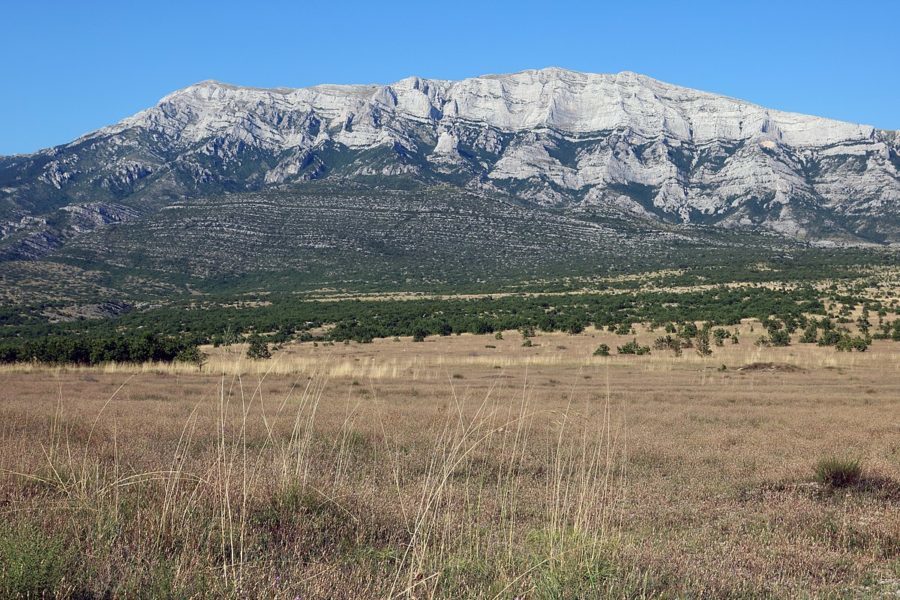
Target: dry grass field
459,467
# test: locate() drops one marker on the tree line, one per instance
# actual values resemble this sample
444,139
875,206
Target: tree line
164,334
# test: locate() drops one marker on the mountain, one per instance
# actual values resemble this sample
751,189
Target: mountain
215,170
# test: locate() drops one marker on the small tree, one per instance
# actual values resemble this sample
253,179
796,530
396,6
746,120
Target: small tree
810,334
863,322
575,327
259,349
229,336
830,337
193,355
624,329
849,344
688,330
720,335
703,348
779,337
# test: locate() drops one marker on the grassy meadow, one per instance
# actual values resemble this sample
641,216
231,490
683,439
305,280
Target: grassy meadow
460,467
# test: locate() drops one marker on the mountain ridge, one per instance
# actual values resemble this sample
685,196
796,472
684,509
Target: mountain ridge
381,94
620,147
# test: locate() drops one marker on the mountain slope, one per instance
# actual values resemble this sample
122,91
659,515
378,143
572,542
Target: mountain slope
621,146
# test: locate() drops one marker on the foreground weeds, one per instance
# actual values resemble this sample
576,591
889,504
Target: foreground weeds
467,478
256,496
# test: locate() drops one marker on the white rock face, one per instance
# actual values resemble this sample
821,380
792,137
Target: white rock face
557,99
550,136
446,144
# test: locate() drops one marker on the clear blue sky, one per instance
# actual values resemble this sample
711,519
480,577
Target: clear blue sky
71,67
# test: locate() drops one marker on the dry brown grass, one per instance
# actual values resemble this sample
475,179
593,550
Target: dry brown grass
448,469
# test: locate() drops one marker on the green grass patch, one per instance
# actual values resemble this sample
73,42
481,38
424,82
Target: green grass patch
838,472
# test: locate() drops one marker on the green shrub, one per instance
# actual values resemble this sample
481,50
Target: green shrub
835,472
668,343
779,337
688,330
720,335
633,347
258,349
849,344
703,348
810,333
776,337
193,355
602,350
32,565
575,327
830,337
863,321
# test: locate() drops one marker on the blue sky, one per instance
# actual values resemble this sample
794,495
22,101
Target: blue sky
71,67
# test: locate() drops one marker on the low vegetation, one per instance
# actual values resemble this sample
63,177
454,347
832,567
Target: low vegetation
446,469
838,472
617,442
691,319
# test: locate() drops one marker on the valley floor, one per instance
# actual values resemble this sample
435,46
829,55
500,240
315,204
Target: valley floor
465,466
